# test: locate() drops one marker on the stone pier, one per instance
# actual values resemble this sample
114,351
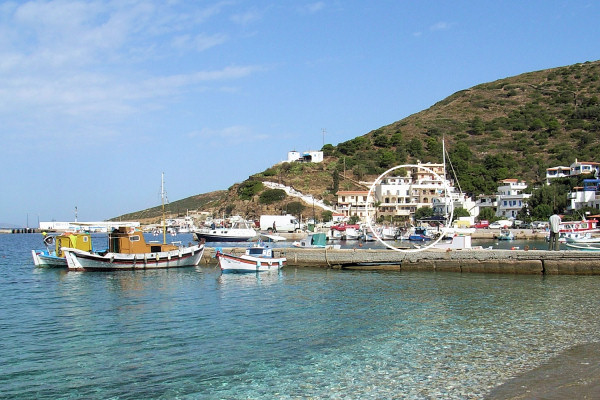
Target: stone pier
564,262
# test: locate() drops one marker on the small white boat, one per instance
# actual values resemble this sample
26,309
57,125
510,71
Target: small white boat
505,234
315,240
55,258
389,233
584,246
239,231
258,258
454,243
352,234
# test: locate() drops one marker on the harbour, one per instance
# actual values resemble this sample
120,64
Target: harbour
197,333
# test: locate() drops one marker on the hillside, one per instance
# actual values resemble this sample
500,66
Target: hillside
512,128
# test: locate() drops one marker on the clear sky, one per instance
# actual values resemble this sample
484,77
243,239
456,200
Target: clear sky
98,98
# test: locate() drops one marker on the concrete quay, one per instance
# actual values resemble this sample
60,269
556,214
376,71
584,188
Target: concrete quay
481,261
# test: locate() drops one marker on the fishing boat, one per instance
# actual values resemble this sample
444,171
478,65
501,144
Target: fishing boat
239,231
578,231
575,237
128,250
55,258
583,226
257,258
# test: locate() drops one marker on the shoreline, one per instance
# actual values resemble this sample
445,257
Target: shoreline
572,374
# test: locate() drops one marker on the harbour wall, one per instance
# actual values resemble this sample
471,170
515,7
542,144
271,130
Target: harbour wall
481,261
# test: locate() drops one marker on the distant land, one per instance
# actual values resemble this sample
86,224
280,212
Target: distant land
513,127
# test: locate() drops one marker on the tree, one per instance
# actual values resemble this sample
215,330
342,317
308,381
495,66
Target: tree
477,126
386,158
423,212
336,181
327,216
415,148
381,141
486,213
295,208
271,196
328,150
460,212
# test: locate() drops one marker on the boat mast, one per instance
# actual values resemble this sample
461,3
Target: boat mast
162,196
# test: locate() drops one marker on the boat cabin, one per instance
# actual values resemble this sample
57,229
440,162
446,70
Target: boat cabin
259,251
81,241
131,241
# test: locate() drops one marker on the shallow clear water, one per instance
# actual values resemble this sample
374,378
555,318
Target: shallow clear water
302,333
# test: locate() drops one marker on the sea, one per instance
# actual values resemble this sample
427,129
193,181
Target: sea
300,333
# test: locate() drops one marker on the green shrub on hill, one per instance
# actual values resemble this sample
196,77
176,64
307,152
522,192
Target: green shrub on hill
248,189
271,196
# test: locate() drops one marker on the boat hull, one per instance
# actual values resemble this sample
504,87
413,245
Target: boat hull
584,246
209,237
42,259
231,263
78,260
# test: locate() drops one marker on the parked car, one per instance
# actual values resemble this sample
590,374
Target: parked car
501,224
481,224
539,225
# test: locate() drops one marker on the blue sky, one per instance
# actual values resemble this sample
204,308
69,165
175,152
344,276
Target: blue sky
98,98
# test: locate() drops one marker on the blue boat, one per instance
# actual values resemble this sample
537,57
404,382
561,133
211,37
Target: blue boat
420,235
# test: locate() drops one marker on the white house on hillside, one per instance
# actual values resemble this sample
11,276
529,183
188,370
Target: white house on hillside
586,196
305,156
510,198
577,168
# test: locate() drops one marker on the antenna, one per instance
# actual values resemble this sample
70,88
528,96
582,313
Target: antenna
162,196
323,131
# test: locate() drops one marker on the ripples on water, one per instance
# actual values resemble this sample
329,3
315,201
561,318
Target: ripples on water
303,333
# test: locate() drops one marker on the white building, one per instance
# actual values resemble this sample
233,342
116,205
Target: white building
586,196
510,198
403,195
577,168
306,156
487,201
557,172
100,226
353,202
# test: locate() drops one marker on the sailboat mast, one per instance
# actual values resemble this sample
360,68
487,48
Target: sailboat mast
444,156
162,196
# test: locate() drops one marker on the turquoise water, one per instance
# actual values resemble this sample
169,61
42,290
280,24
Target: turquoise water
193,333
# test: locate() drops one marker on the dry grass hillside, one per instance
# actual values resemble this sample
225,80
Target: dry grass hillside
514,127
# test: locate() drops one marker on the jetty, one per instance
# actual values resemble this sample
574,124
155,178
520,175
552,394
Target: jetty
542,262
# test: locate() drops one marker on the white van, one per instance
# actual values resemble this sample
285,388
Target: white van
500,224
280,223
